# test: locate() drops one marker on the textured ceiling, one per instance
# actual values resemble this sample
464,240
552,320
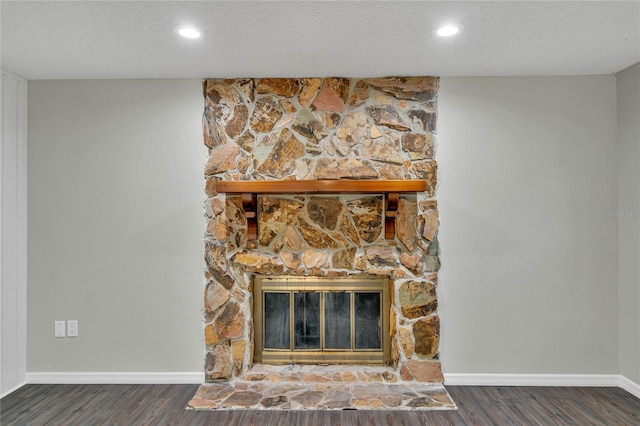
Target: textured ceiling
135,39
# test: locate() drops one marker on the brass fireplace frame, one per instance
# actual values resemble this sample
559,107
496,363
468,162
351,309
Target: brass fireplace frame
291,284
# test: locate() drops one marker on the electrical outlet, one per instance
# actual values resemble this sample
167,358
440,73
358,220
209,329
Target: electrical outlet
72,328
59,329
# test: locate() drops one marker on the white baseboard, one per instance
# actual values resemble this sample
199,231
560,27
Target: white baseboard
592,380
115,378
631,387
13,389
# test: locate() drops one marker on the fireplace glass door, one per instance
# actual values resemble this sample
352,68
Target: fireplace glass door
321,320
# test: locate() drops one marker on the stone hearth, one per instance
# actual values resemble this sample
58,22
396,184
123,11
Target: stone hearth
312,128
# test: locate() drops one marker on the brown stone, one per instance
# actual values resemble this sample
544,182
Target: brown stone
360,94
222,159
381,256
281,160
427,170
417,299
286,87
425,371
352,130
307,126
310,87
291,260
273,401
387,116
430,224
218,362
278,210
288,108
405,222
343,259
325,211
236,125
412,262
431,263
367,217
242,399
332,95
374,132
361,263
391,171
418,146
292,239
411,88
314,236
210,186
211,337
237,353
246,86
265,114
258,262
216,258
246,141
406,341
351,168
385,150
215,296
229,323
330,119
309,399
423,401
405,373
315,259
211,129
426,119
217,92
427,335
348,230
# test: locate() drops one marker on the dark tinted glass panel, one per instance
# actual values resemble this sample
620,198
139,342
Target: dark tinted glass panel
277,325
367,320
337,331
306,314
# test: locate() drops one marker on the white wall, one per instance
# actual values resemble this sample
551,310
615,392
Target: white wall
628,83
116,225
528,283
13,233
529,276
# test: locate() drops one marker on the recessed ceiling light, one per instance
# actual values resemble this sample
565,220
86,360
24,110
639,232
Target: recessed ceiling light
188,32
449,30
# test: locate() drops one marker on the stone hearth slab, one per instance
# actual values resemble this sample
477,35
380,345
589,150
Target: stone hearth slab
295,387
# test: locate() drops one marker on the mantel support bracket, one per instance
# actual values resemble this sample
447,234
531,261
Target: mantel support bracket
250,207
390,213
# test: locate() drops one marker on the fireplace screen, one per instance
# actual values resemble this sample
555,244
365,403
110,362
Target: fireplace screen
321,320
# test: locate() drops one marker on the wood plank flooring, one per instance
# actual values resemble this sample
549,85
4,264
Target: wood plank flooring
165,405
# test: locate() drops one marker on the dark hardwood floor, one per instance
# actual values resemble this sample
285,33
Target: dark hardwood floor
165,405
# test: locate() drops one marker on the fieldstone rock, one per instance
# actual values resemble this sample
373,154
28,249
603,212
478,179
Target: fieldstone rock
309,398
411,88
286,87
348,230
427,335
427,170
291,260
288,108
218,362
406,341
387,116
215,296
367,217
360,94
261,263
332,95
315,259
350,168
216,259
307,126
315,237
425,371
217,92
242,399
423,401
236,124
391,171
374,132
405,222
412,262
430,224
426,119
229,323
384,150
325,211
237,354
274,214
265,114
330,119
381,256
417,299
352,130
245,87
246,141
418,146
222,159
431,263
343,259
292,239
281,160
211,129
211,336
310,87
273,401
304,169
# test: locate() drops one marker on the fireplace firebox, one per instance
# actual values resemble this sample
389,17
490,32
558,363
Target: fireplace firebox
321,320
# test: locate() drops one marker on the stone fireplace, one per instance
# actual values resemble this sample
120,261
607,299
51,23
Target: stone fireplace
315,129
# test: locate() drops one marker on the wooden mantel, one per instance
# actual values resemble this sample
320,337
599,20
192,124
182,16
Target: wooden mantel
251,189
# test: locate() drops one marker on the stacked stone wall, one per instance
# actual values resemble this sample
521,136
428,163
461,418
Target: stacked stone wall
312,128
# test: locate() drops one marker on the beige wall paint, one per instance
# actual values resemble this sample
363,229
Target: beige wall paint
628,85
529,276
